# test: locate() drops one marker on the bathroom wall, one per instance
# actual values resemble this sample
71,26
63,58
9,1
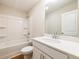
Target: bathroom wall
11,30
53,19
78,17
11,11
78,3
15,26
36,18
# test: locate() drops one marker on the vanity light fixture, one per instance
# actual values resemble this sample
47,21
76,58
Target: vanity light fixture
46,8
50,1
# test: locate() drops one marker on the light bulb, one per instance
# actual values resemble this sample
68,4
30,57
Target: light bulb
50,1
46,8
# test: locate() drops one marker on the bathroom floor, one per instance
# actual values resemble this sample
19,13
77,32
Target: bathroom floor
18,57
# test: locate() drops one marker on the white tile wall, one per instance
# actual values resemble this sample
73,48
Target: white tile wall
13,31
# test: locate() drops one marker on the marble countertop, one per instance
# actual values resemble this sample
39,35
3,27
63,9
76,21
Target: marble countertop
69,47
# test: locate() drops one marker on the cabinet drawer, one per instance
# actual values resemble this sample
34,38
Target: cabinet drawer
51,52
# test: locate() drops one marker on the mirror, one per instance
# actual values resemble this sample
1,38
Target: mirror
61,17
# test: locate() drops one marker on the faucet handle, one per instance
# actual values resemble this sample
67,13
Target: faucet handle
56,33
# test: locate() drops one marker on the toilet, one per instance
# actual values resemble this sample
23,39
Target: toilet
27,52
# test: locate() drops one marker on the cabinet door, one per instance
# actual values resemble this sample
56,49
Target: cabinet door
36,54
44,56
47,57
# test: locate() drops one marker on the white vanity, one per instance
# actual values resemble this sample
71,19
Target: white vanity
45,48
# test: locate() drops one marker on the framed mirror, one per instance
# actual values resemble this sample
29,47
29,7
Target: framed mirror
62,17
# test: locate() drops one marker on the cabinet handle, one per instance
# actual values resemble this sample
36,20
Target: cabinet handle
41,56
52,58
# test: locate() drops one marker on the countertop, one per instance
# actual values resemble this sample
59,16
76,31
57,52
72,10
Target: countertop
69,47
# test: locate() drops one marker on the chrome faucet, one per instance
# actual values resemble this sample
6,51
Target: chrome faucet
55,35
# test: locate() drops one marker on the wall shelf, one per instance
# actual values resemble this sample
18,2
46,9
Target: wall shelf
2,27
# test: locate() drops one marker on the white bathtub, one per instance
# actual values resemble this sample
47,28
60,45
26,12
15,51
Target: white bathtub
6,51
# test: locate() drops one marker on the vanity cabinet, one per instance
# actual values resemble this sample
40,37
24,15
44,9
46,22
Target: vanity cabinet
42,51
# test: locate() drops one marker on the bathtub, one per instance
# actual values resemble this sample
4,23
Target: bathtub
6,51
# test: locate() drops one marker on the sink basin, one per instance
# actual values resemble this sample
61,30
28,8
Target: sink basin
51,40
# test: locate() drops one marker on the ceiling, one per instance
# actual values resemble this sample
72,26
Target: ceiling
24,5
52,5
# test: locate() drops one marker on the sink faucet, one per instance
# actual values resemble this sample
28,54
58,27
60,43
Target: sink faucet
55,35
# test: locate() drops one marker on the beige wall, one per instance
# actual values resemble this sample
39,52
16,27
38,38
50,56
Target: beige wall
78,3
53,20
12,12
36,19
78,18
13,20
